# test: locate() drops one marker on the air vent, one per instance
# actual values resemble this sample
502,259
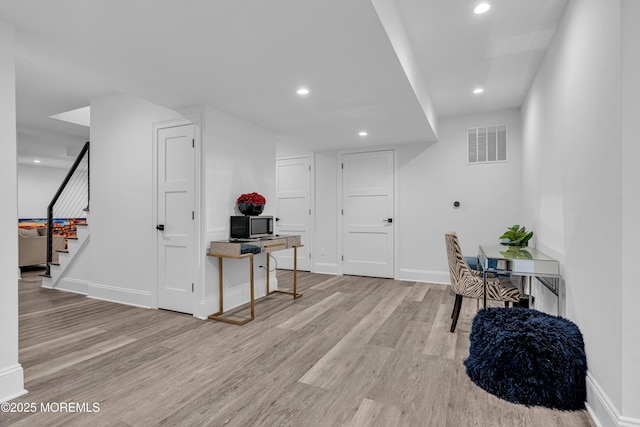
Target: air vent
487,144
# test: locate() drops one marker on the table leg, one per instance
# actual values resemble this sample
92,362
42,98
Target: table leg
268,268
218,316
484,291
295,271
220,284
251,281
295,276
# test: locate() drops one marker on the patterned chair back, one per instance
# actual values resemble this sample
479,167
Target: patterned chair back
463,282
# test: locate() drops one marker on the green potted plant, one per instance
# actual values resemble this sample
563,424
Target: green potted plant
516,236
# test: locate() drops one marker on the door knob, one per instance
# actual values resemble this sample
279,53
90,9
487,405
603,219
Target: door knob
388,220
160,227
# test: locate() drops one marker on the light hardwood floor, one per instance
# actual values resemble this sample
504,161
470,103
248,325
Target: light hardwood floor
353,351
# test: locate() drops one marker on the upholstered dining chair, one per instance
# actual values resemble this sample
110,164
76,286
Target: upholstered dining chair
466,282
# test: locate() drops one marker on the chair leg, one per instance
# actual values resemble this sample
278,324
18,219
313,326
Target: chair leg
453,312
457,305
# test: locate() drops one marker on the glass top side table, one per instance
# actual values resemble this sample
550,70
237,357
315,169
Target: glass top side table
528,262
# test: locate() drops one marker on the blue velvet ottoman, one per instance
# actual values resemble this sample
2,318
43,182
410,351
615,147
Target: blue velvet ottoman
528,357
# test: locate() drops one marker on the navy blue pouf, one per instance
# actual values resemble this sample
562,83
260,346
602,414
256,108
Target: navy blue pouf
528,357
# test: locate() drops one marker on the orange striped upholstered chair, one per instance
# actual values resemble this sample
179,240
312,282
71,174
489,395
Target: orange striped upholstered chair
466,282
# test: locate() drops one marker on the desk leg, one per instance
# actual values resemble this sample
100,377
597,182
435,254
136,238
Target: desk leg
251,281
484,284
295,272
268,269
218,316
295,277
220,284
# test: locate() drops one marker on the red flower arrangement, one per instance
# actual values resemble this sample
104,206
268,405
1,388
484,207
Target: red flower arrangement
252,198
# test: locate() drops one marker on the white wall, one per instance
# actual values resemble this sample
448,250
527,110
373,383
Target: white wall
11,373
433,176
326,218
630,11
573,191
36,187
53,148
239,157
122,231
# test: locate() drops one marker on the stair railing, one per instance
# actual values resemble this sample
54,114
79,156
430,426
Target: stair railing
71,200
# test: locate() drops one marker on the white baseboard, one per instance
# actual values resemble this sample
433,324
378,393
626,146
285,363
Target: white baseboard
413,275
239,295
602,410
70,285
234,296
120,295
629,422
325,268
206,307
11,383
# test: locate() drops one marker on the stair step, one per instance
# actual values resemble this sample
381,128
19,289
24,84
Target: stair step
56,269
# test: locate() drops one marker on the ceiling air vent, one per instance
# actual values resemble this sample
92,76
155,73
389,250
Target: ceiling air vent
487,144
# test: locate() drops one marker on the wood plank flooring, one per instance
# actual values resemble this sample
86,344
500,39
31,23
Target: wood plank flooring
353,351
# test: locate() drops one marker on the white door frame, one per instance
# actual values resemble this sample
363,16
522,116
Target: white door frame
312,205
396,204
196,120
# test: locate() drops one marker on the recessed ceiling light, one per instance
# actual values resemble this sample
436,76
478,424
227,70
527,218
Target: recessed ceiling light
36,161
363,133
481,8
303,91
478,91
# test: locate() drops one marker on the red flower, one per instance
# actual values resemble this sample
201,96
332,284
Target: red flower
252,198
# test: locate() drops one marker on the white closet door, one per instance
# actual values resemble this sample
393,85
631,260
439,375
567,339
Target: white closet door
293,213
368,227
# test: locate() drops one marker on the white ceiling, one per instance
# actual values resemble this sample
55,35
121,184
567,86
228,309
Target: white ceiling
248,57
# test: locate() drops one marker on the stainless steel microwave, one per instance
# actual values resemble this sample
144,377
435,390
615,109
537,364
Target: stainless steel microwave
250,227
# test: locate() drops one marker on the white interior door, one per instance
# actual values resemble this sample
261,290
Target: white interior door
176,214
368,228
293,187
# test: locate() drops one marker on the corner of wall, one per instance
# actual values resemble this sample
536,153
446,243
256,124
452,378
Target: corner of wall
11,372
602,410
12,383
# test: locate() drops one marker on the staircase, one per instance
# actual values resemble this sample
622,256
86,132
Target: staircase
71,202
64,274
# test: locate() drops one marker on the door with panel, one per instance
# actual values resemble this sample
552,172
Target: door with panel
176,217
293,211
367,214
